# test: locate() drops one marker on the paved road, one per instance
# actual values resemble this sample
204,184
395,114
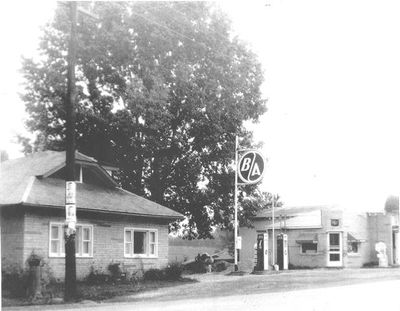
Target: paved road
381,295
346,289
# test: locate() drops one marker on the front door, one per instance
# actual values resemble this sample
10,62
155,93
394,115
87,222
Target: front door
262,252
335,253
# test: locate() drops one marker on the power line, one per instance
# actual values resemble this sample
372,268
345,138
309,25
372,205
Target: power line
163,26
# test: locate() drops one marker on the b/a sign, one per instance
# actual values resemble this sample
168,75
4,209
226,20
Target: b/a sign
251,167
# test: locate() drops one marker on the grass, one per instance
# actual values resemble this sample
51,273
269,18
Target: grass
94,292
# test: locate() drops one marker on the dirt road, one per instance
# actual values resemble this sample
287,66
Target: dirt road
292,290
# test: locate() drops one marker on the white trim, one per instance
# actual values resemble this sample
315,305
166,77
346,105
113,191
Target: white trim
61,254
80,174
330,263
147,241
28,189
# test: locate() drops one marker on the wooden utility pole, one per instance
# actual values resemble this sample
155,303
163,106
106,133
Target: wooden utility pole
70,204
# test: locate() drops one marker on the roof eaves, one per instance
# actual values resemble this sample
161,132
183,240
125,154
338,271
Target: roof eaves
53,170
132,194
105,211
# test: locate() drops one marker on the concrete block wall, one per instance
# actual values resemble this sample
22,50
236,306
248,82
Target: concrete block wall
108,242
12,227
247,253
380,230
356,224
299,259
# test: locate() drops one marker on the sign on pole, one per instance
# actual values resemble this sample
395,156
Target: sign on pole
251,167
249,170
70,204
238,242
70,211
70,192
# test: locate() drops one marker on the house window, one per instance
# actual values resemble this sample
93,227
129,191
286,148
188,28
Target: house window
309,248
140,242
56,240
83,240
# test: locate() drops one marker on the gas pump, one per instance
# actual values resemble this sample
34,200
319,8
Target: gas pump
262,252
282,251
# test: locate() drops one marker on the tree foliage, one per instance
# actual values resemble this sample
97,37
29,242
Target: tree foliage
163,88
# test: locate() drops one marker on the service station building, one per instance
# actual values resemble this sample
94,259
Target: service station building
319,236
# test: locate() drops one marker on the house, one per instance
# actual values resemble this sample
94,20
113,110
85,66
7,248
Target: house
113,225
317,236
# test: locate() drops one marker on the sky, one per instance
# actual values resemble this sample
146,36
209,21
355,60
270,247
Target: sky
332,75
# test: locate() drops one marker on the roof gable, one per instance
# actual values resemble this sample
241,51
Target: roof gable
28,181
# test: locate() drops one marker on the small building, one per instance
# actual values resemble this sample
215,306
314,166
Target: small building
113,225
316,237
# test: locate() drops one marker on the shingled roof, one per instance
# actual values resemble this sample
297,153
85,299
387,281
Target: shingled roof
24,181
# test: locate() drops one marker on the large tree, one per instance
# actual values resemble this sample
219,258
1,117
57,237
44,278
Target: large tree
163,88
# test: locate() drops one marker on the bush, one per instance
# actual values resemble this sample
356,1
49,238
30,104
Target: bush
15,281
96,277
295,267
171,273
371,264
154,275
220,266
174,272
115,270
196,267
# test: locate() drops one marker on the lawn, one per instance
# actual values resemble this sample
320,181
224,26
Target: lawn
98,292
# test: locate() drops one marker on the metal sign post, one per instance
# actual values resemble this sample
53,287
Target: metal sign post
273,231
235,194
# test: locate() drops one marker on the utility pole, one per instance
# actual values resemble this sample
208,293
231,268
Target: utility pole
70,186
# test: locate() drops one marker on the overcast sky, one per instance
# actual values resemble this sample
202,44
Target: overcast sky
332,79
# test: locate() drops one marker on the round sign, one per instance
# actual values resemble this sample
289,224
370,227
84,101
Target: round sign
251,167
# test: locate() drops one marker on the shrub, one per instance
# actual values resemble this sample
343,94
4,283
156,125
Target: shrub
174,272
15,281
371,264
220,266
196,267
295,267
115,270
154,275
171,273
96,277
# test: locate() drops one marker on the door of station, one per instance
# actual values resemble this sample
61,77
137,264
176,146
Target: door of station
282,251
262,252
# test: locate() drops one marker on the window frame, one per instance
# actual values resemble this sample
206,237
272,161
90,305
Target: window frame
61,250
309,251
351,253
147,242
